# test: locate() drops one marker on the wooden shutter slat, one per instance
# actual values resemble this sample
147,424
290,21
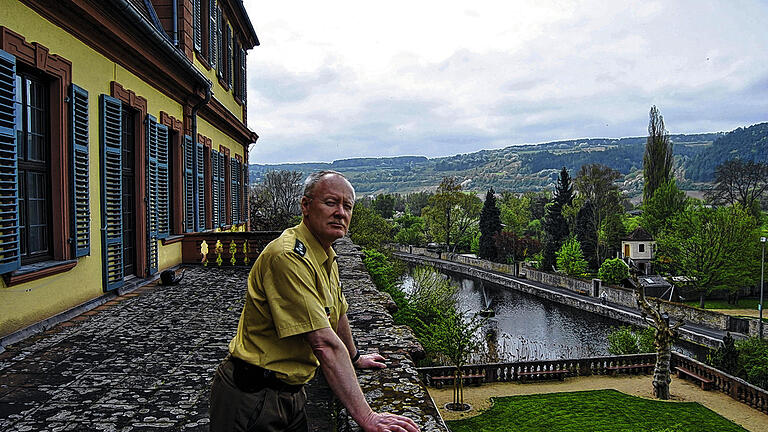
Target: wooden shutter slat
152,193
214,189
79,190
110,128
163,183
199,195
10,255
212,20
197,31
222,192
189,185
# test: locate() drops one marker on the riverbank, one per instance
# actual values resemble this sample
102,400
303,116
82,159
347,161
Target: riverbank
637,385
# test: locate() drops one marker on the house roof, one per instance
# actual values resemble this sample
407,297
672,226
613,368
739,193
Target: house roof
652,281
639,234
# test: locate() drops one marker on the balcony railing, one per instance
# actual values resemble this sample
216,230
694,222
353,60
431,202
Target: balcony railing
225,248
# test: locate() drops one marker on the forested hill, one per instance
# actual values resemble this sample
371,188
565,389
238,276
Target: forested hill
534,167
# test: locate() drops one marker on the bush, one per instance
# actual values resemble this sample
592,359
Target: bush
613,271
626,340
570,259
753,361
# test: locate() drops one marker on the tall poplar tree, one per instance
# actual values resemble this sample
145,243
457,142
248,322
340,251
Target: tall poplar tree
555,226
658,159
490,225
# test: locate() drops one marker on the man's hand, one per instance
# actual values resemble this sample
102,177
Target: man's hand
386,422
370,361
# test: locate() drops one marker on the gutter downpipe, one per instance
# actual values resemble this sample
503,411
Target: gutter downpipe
176,23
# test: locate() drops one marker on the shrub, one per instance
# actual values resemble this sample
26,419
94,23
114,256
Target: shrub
570,259
613,271
626,340
753,361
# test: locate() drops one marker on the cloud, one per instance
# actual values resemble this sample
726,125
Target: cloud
356,79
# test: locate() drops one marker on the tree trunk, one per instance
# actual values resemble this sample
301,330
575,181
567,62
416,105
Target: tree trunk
661,378
701,300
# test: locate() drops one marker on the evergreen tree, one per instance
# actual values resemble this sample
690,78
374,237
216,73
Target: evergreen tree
490,225
658,158
555,226
586,233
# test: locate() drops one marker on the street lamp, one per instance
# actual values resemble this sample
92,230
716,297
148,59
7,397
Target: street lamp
762,274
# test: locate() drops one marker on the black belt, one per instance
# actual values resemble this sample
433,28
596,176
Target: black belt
250,378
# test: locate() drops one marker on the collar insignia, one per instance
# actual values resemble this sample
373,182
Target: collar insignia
299,248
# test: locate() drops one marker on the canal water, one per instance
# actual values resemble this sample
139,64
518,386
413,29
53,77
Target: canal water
525,327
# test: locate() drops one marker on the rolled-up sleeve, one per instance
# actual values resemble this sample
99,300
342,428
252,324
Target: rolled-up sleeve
290,287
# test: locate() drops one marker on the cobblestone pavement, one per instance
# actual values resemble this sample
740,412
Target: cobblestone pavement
143,361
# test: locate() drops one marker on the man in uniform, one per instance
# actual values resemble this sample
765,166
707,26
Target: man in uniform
294,320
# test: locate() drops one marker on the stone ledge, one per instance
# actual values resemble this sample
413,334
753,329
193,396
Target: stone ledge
397,389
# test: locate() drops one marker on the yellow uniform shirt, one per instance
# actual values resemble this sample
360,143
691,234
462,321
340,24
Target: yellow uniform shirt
293,288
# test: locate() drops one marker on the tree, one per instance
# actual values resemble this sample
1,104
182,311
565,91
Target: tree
490,225
726,356
570,259
586,233
276,201
368,229
515,212
384,204
555,225
410,230
510,247
451,212
715,248
613,271
661,208
664,335
626,340
658,158
740,182
597,184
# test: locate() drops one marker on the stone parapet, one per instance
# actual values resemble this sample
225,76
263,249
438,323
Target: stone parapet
398,388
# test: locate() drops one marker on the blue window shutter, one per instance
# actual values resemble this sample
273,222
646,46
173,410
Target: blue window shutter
189,185
212,20
163,183
200,192
110,132
244,185
243,75
81,208
228,58
152,193
219,42
215,195
10,257
197,31
233,188
222,192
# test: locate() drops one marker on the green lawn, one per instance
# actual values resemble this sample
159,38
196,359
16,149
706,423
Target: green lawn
723,304
596,410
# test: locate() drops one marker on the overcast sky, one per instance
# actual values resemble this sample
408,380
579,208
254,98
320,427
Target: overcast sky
340,79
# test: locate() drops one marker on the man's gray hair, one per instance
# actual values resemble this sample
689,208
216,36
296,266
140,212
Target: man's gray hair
313,179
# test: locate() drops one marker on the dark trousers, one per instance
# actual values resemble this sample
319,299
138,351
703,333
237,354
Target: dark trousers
265,409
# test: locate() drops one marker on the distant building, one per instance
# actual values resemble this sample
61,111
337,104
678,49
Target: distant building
122,129
638,250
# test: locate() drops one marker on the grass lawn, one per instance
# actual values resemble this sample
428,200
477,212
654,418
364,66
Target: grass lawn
723,304
595,410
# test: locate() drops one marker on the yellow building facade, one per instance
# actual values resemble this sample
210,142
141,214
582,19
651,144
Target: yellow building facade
122,129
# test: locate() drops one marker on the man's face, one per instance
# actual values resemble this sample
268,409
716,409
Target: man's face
328,211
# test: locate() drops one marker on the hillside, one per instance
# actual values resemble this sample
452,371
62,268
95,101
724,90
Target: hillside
535,167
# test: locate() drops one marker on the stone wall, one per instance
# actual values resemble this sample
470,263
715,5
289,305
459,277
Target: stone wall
575,285
398,388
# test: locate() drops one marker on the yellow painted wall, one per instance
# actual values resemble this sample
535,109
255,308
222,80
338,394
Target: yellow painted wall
220,93
25,304
219,138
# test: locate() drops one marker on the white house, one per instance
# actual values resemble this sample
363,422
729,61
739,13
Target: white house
638,250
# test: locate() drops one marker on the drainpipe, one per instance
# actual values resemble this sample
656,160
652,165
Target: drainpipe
175,23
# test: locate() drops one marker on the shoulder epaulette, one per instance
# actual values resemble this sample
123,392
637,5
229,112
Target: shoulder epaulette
299,248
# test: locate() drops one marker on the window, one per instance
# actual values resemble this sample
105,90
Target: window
33,153
641,247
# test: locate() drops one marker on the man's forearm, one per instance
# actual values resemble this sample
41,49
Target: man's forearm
345,334
340,375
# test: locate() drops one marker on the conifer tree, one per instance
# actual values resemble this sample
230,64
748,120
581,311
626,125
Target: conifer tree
586,233
490,225
555,226
658,158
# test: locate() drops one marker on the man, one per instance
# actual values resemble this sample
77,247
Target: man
293,320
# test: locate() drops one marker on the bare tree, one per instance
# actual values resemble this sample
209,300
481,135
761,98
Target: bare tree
658,159
663,338
276,201
740,182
